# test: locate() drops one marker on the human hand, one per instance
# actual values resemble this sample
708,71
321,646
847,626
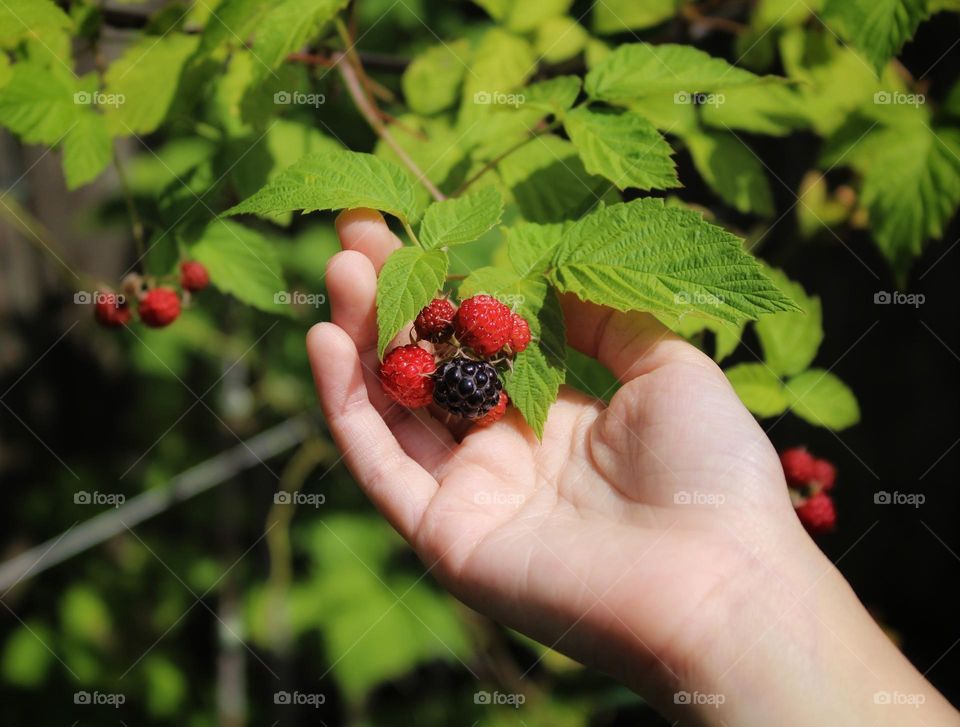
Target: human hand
652,538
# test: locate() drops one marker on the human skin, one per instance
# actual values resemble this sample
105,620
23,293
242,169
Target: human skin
584,540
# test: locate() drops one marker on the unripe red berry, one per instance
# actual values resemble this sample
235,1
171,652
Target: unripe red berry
797,466
159,307
484,324
817,513
405,375
824,474
495,414
193,276
519,334
435,322
112,310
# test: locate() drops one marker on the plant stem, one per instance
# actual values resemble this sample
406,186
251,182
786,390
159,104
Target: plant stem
503,155
136,224
413,237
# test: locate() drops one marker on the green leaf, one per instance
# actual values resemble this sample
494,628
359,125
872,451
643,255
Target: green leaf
431,83
144,81
554,95
878,28
726,335
821,398
531,247
642,255
623,147
167,686
38,105
87,150
461,219
409,280
85,616
501,64
731,170
336,180
233,22
27,654
524,16
560,39
790,341
287,27
768,109
635,70
21,19
549,182
243,263
760,390
6,72
619,16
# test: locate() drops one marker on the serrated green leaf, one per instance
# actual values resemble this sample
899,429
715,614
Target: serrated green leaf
554,95
821,398
6,72
336,180
731,170
531,247
431,83
635,70
549,182
878,28
760,390
501,64
38,105
790,341
144,81
461,219
21,19
286,27
87,150
233,22
768,109
623,147
409,280
726,335
619,16
244,264
642,255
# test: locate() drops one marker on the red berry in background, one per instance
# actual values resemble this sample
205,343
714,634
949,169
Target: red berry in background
435,322
112,310
193,276
824,474
519,334
159,307
484,324
797,466
817,513
405,375
495,414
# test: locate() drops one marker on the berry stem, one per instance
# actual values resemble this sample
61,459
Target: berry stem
136,224
413,237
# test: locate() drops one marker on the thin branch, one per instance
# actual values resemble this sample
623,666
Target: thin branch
693,15
503,155
136,224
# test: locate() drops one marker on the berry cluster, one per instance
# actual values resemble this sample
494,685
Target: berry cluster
460,374
157,306
810,479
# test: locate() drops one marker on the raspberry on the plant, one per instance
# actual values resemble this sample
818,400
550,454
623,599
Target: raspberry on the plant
797,466
405,375
159,307
467,388
817,513
193,276
824,474
495,414
519,333
484,324
435,322
111,310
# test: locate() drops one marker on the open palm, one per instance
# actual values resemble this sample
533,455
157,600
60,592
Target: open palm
637,523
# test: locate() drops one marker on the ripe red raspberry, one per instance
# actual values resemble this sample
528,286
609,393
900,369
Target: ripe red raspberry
405,375
817,513
435,322
495,414
159,307
797,466
519,334
484,324
111,310
193,276
824,473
